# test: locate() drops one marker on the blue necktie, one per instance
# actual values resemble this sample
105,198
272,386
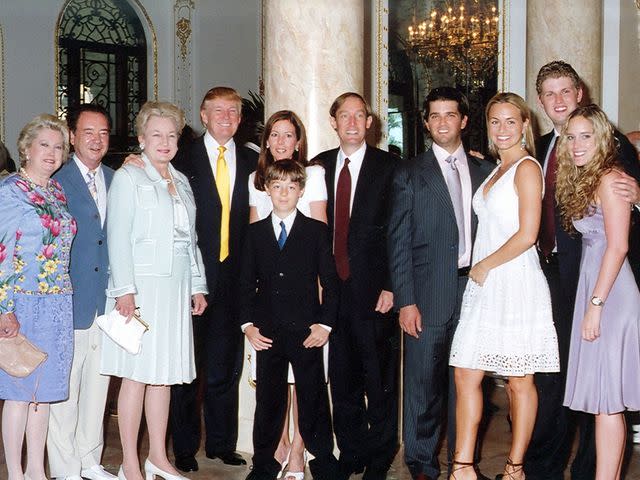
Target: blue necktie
282,238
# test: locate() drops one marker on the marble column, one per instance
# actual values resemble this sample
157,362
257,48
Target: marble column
312,52
570,30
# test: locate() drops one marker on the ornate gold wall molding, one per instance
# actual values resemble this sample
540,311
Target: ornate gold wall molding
380,65
183,11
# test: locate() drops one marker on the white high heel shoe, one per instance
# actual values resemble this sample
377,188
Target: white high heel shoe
151,471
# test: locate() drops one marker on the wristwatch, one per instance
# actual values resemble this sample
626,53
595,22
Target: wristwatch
597,301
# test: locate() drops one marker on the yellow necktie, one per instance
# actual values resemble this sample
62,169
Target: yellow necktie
222,182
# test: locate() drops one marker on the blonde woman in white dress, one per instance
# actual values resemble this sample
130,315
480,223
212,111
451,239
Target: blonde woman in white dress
506,326
284,138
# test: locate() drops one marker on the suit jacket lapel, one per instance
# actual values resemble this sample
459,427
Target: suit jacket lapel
80,185
432,176
365,177
241,176
203,169
330,176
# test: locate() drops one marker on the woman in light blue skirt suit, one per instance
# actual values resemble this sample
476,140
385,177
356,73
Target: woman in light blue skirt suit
155,265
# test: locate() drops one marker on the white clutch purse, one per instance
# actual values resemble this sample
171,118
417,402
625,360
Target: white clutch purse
127,335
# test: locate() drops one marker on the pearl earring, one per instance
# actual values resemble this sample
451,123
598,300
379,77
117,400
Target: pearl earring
141,145
523,143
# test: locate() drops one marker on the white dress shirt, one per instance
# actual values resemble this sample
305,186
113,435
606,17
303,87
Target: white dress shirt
101,187
465,178
211,146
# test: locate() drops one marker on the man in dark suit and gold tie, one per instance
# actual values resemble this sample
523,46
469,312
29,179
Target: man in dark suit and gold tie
218,171
363,351
431,232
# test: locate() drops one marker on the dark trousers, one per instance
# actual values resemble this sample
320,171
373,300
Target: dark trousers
219,348
314,417
429,393
363,362
554,429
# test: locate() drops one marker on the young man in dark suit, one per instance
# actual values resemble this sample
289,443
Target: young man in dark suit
218,171
559,93
364,348
430,244
284,320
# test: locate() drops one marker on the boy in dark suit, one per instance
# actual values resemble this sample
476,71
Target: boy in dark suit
285,322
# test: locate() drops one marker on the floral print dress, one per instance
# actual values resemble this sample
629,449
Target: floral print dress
36,231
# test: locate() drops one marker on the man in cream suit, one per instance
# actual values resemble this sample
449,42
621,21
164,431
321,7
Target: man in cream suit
76,438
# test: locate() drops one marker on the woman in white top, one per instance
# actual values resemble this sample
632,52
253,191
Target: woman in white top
284,138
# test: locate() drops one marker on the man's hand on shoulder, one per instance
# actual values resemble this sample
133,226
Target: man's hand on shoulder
627,187
134,159
411,320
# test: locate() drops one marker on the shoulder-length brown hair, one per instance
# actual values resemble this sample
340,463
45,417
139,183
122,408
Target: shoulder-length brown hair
576,186
265,158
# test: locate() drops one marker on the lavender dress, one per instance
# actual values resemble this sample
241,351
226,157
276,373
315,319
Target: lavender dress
603,376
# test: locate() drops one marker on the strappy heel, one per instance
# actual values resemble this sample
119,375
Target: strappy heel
463,465
517,468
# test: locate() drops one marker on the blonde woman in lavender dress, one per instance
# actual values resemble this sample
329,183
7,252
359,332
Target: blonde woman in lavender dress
603,376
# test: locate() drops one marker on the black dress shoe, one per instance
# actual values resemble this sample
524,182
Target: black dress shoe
228,458
187,464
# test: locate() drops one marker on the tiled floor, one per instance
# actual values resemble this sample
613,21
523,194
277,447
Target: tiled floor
494,451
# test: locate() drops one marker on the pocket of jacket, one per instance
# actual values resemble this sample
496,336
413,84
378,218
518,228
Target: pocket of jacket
147,196
144,253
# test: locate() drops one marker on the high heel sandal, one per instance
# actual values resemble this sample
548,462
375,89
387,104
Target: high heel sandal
463,465
284,465
151,472
298,475
517,467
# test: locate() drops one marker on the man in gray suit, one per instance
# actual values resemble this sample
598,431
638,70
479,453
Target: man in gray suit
430,236
76,438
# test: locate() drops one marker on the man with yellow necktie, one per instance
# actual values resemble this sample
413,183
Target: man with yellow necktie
218,171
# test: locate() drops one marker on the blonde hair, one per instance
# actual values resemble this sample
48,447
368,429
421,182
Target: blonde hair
226,93
525,115
159,109
576,186
30,131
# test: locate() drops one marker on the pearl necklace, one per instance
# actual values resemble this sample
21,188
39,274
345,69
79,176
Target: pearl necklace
26,176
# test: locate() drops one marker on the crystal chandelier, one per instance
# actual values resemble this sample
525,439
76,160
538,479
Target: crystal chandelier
463,37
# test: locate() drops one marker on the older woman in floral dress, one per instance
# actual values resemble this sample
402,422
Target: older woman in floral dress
36,231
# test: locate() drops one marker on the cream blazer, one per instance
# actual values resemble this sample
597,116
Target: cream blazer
140,228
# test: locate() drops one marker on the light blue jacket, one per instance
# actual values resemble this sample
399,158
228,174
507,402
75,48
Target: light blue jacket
140,228
89,260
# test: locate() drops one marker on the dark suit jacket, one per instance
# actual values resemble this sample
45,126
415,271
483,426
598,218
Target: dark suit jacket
568,246
423,237
367,241
193,161
88,266
279,288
